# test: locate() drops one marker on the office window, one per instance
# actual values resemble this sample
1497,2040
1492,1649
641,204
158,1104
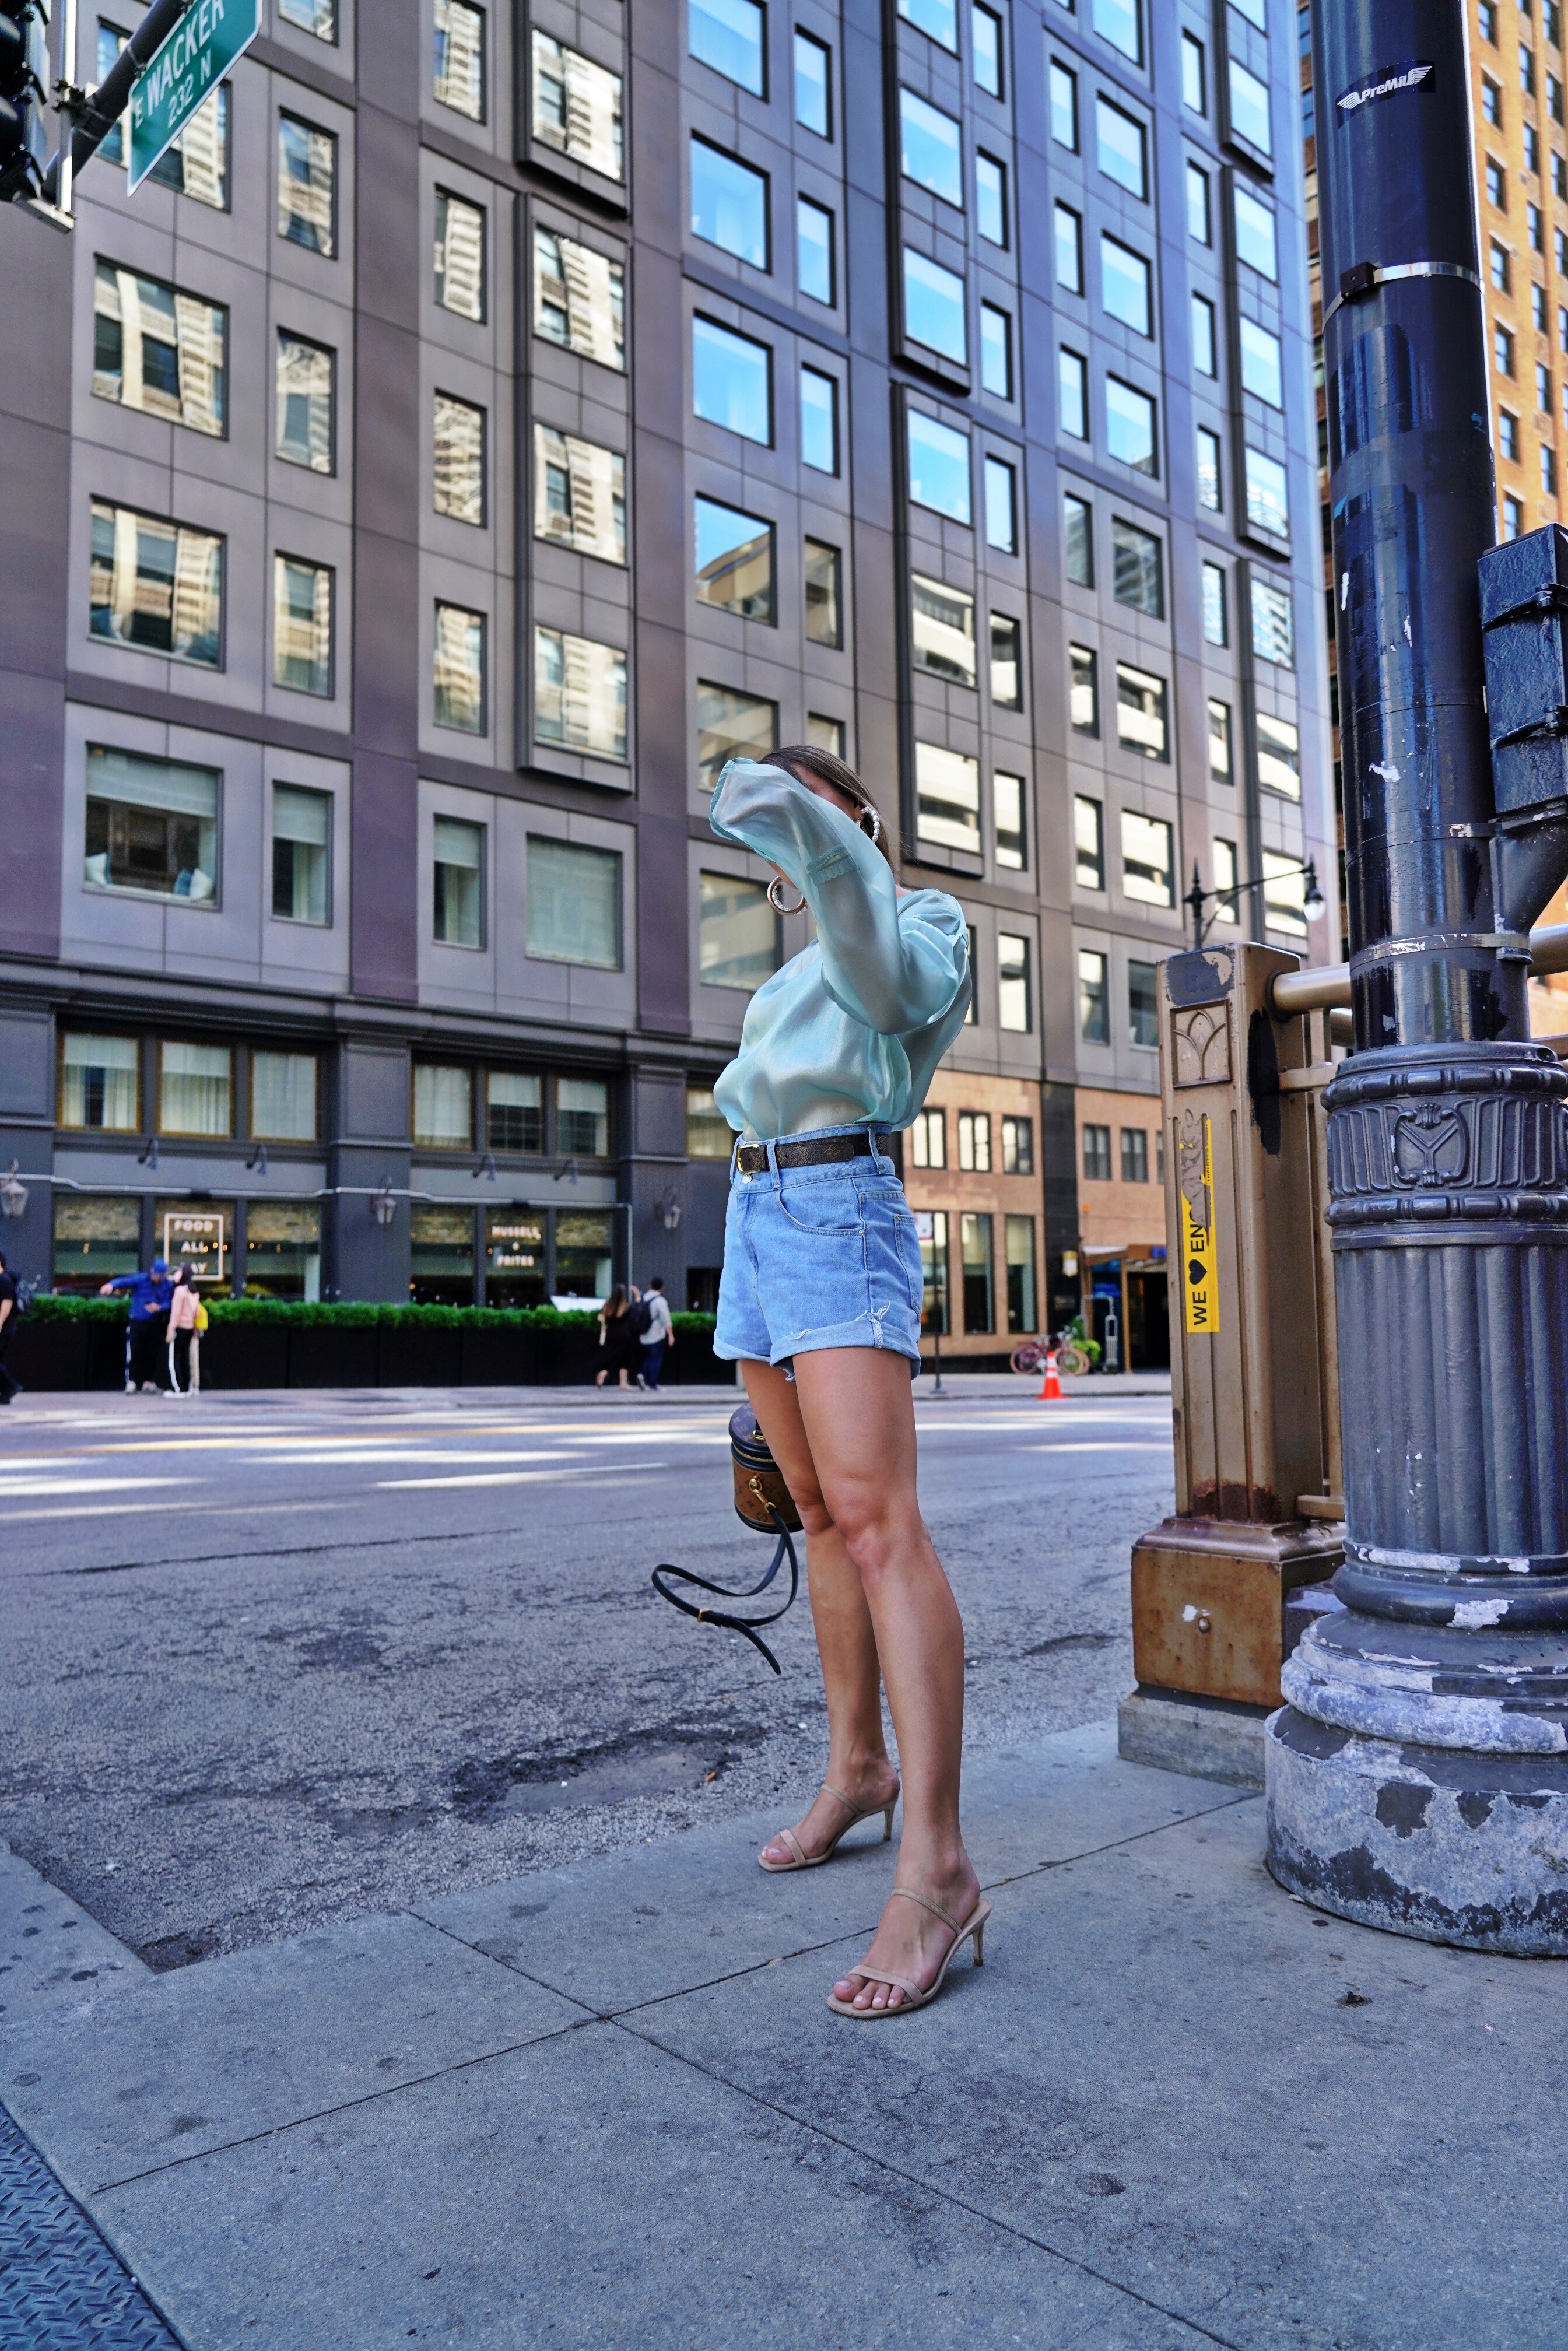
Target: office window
1220,769
1497,184
709,1134
1538,308
1548,471
302,625
733,558
985,41
580,299
1226,909
1124,285
1502,349
459,673
819,421
1555,98
582,1118
1009,820
1501,266
459,75
1148,869
1492,102
1141,723
1014,1008
1135,1155
1542,389
1512,517
514,1110
1017,1146
1279,756
1563,315
1273,629
728,36
302,836
159,351
975,1142
458,908
1262,370
730,205
991,199
1020,1245
1068,249
813,84
579,494
1267,506
100,1083
732,381
824,600
1532,140
1527,67
195,1088
1210,474
1096,1151
1486,19
939,467
1212,579
731,726
460,257
1255,239
573,916
305,404
996,352
814,250
738,933
1078,540
196,163
307,185
927,1139
443,1107
1249,108
1063,106
1093,1000
1119,148
825,734
156,585
1508,436
1142,1006
1001,506
1073,394
930,148
1194,82
943,630
1205,350
1137,575
1284,894
1007,662
975,1247
933,1313
947,798
578,108
938,19
580,694
317,16
1199,226
933,307
459,460
1083,693
1130,426
151,824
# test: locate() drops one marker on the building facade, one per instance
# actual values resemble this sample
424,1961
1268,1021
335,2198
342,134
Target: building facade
491,419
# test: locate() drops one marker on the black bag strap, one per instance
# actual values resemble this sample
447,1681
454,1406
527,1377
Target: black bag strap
747,1626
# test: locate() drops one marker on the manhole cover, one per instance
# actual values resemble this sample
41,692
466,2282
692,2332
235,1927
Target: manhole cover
61,2285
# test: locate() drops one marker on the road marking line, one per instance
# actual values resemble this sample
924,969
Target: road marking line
508,1477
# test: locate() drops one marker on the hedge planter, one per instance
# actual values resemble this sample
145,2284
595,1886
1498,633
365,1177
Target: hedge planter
328,1357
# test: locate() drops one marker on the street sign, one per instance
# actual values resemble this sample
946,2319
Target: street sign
183,72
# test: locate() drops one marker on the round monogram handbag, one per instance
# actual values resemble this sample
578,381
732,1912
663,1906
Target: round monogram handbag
762,1501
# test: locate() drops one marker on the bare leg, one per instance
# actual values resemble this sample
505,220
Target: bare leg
858,1759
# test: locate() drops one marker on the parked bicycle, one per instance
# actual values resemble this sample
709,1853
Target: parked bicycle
1071,1357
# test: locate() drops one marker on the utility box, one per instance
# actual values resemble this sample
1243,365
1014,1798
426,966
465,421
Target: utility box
1525,600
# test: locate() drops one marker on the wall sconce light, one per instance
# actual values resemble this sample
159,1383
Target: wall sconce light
384,1207
12,1192
668,1209
487,1168
258,1160
569,1171
148,1158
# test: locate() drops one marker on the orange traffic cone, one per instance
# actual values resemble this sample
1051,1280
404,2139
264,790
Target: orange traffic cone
1052,1392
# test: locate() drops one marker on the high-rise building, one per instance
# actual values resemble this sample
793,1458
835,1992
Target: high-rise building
490,420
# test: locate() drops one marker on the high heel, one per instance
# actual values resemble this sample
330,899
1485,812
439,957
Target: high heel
971,1929
804,1860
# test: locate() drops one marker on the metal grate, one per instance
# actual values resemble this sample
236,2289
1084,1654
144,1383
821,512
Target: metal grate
61,2288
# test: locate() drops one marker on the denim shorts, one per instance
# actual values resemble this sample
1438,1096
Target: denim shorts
818,1257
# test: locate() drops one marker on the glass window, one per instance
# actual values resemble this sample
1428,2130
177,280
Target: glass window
1274,633
975,1142
729,35
1279,756
1210,479
991,199
578,108
733,561
1007,816
196,163
580,299
1119,148
584,1257
934,1274
1130,426
1225,877
302,626
94,1240
156,585
151,824
1501,267
460,257
814,250
730,205
1001,506
580,694
1194,90
1512,517
1078,536
937,19
824,598
1249,108
985,34
1262,372
1204,349
459,673
996,352
972,1010
975,1244
1140,723
283,1097
579,494
283,1250
1143,1013
443,1107
1135,1155
943,630
1088,842
1007,662
947,798
819,421
709,1133
514,1110
738,933
306,404
459,459
1284,894
1124,285
1215,629
1198,225
939,467
1084,691
1220,770
933,307
159,351
931,149
1097,1152
731,726
1497,183
459,76
307,185
195,1089
100,1083
1268,499
1137,575
573,906
1502,349
1014,1008
1255,243
1064,106
317,16
1119,22
459,883
582,1118
928,1139
732,381
813,85
1068,249
1017,1146
301,838
1093,1001
825,734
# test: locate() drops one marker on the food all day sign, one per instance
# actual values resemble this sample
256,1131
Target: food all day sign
1200,1273
183,72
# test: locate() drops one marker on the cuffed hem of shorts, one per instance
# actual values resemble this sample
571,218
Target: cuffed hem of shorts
865,1331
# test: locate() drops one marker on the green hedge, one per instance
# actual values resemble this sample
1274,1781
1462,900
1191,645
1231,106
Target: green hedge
52,1306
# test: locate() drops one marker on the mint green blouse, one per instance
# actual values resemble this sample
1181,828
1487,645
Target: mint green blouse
850,1030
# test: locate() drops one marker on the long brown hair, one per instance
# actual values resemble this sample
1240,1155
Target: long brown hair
827,767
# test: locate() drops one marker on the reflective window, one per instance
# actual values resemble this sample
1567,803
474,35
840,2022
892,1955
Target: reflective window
1262,372
986,38
307,185
580,694
731,726
1249,108
156,585
943,630
578,108
938,18
1210,482
1119,147
1063,106
1093,1014
819,421
824,598
1137,573
814,249
100,1082
996,352
443,1107
1130,426
1120,21
1255,242
1219,765
1284,894
1017,1146
975,1142
1124,285
1068,249
991,199
825,734
460,257
1147,867
1215,631
1001,505
196,163
459,459
458,66
738,933
928,1139
301,837
728,36
317,16
151,824
1007,818
1193,90
947,798
1268,499
580,299
302,625
931,150
1078,540
584,1260
458,875
1198,225
1083,693
939,467
283,1238
459,669
933,307
574,916
1273,630
306,404
733,561
159,351
1007,662
579,494
1279,756
1204,348
1088,842
95,1238
1141,721
1226,909
813,85
732,381
975,1245
514,1110
730,205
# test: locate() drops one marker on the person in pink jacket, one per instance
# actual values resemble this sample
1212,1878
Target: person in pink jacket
182,1309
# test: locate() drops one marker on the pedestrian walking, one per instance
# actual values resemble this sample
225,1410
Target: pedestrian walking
184,1308
618,1338
149,1296
657,1333
819,1302
9,1306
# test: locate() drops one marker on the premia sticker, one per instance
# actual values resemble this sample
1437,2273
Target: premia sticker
1389,81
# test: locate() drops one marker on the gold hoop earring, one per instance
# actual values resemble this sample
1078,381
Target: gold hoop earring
777,902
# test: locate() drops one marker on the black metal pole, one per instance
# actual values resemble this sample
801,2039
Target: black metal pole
103,109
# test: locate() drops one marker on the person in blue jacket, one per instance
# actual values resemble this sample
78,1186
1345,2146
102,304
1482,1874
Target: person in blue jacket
150,1297
819,1302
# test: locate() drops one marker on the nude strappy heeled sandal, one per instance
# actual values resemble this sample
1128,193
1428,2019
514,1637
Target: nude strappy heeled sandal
804,1860
974,1927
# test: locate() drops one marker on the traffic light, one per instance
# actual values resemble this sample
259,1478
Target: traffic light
24,95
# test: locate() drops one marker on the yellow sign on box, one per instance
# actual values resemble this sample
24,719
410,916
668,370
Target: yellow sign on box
1200,1273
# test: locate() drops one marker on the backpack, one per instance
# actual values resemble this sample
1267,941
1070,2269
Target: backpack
642,1316
25,1293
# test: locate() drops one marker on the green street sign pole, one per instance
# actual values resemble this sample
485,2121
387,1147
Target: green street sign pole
183,72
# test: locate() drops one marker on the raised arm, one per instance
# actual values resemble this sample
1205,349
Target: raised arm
889,975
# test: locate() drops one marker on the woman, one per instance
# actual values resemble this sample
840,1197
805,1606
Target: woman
184,1308
618,1337
819,1302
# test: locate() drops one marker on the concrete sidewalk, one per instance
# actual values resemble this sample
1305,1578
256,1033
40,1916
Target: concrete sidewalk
609,2106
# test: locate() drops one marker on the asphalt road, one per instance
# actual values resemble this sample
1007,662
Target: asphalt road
276,1661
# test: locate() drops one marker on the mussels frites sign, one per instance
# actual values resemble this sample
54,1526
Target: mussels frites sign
182,73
